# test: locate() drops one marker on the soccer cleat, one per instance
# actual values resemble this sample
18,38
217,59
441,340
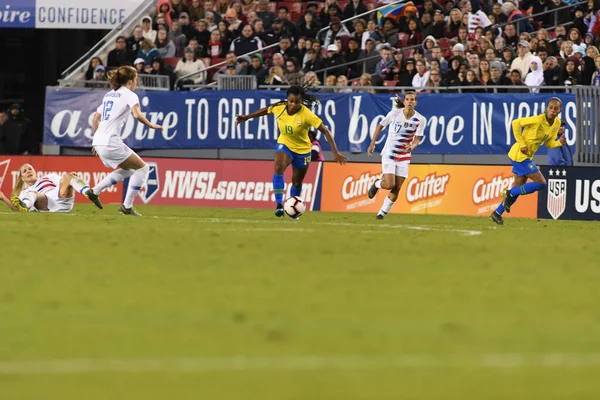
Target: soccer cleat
128,211
17,202
497,218
379,216
279,211
507,200
93,198
373,189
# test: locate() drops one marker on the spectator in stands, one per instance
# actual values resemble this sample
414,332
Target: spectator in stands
361,33
454,23
334,59
562,16
259,29
278,61
510,35
165,47
251,17
570,75
330,9
407,74
596,74
226,35
209,17
373,30
158,68
458,50
201,33
160,21
365,81
335,29
490,55
100,74
574,36
331,83
148,32
234,23
385,65
186,27
221,6
196,10
275,77
216,48
176,36
462,36
284,15
177,8
473,60
589,39
588,68
485,77
353,54
390,31
542,53
246,43
471,80
499,45
435,81
148,51
566,50
293,74
231,59
120,55
164,7
16,133
497,77
342,85
421,77
353,8
436,54
310,78
286,50
536,76
262,10
275,33
438,27
518,86
499,16
508,55
190,64
426,24
308,26
94,62
258,69
134,43
475,19
313,62
523,59
139,64
370,55
516,17
552,72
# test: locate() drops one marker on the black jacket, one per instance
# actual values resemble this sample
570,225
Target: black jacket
118,58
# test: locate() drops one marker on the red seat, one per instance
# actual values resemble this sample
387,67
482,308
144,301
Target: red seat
172,61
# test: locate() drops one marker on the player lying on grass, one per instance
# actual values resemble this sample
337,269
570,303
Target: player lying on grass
405,131
50,193
294,118
530,133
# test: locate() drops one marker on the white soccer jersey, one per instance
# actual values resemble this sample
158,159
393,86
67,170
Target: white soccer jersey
49,185
114,112
401,132
43,185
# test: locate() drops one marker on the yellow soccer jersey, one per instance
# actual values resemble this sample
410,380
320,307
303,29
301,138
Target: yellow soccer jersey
532,132
293,129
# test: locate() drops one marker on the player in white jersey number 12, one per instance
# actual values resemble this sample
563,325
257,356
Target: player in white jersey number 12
405,130
107,144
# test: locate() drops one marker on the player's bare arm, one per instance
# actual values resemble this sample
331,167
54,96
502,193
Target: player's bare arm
7,201
337,156
139,115
96,122
376,134
243,118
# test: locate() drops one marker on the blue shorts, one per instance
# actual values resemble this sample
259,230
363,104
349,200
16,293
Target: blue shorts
524,168
299,161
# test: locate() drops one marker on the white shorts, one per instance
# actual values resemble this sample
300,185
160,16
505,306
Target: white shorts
56,204
398,168
112,155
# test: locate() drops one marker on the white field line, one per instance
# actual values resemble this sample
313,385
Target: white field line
432,228
297,363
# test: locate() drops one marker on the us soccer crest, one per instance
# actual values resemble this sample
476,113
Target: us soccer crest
3,170
149,190
557,193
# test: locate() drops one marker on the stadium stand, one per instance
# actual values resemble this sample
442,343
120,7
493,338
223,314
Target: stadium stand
493,40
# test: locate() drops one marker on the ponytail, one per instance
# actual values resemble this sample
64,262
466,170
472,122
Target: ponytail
120,76
309,100
19,185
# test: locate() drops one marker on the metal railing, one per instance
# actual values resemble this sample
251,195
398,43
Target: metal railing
588,125
145,82
236,82
101,48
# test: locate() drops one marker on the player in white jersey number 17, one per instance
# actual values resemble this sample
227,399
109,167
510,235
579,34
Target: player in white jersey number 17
405,130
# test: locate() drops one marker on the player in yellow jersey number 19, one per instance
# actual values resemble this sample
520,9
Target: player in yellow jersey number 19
294,119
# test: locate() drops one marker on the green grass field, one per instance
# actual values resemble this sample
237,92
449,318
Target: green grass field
193,303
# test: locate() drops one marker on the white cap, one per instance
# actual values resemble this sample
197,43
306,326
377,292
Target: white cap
139,60
458,47
332,47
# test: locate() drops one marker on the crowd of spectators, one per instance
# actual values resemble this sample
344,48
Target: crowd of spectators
434,44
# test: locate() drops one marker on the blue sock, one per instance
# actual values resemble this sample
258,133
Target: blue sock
527,188
296,190
500,209
278,187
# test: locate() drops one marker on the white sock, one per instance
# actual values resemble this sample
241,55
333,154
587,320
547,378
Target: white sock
29,200
137,180
386,207
79,185
112,179
378,184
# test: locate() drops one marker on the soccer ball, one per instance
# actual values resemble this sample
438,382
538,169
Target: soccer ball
294,206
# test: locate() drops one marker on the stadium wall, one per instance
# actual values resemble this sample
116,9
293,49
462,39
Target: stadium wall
573,192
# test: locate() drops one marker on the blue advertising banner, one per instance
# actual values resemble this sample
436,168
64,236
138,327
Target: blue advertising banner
573,193
456,123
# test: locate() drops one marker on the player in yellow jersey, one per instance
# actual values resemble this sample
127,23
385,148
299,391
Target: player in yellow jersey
530,133
294,119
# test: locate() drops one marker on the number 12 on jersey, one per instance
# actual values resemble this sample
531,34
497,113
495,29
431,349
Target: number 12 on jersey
108,105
